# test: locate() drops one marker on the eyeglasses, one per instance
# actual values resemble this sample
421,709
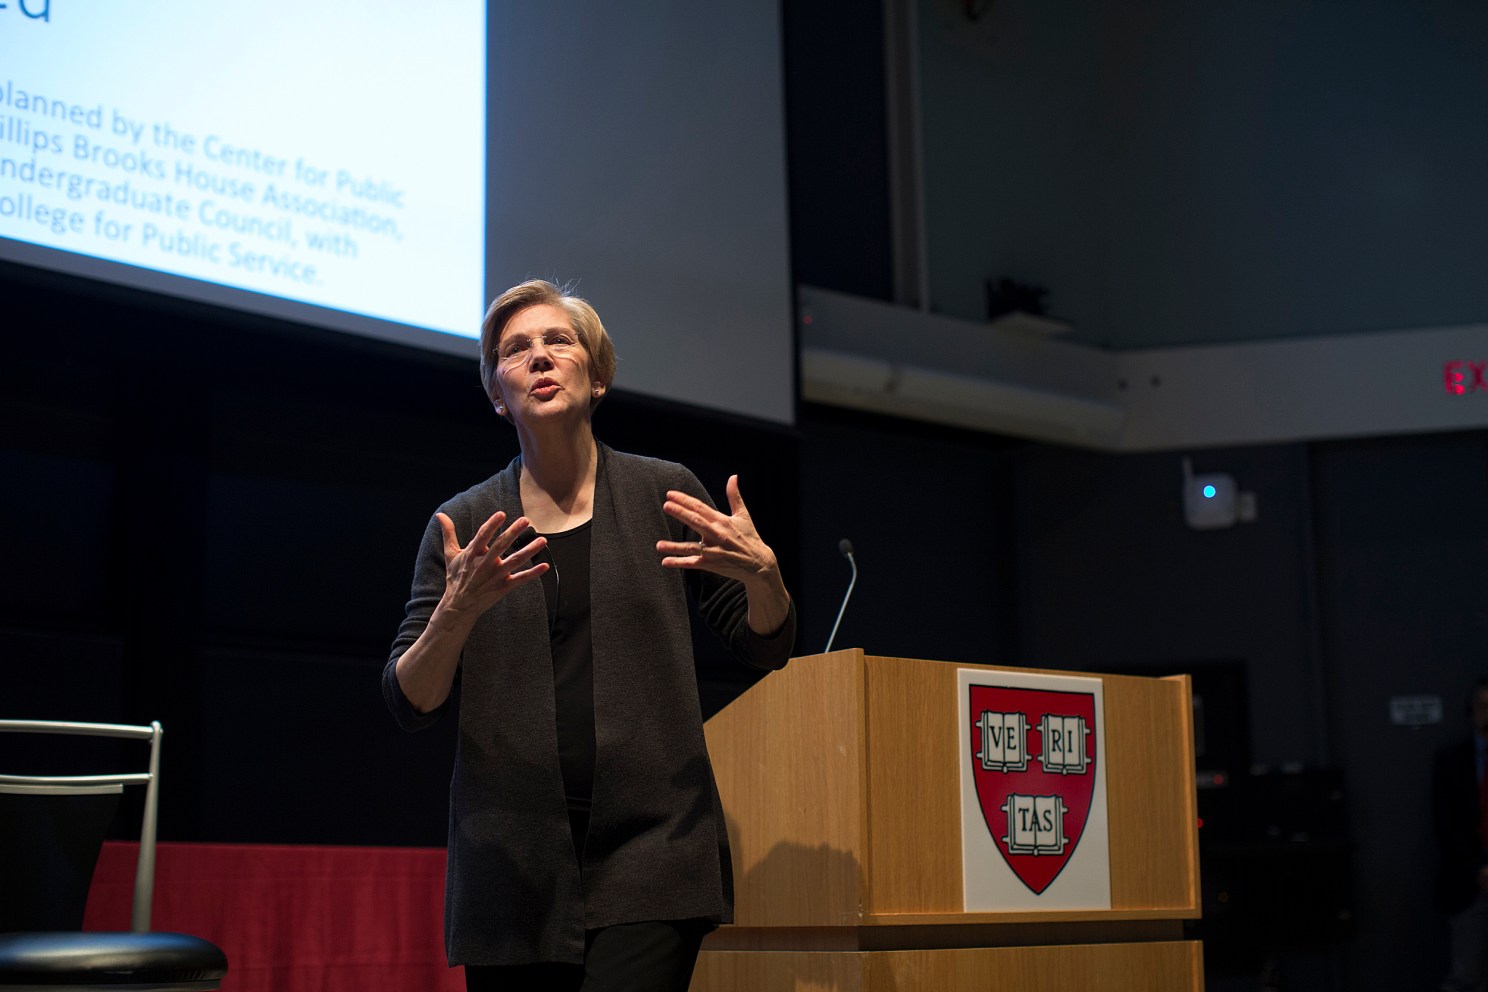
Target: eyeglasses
515,350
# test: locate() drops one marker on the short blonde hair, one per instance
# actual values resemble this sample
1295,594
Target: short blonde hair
585,322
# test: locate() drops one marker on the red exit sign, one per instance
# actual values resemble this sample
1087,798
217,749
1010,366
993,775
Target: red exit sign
1460,377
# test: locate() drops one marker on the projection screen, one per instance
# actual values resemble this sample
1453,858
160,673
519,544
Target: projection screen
384,168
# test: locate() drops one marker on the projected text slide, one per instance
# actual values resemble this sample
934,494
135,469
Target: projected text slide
333,160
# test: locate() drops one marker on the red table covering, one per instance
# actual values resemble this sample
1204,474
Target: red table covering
295,918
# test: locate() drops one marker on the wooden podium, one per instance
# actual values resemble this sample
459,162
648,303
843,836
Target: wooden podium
840,778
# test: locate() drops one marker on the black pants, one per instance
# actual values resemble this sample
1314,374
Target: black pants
630,957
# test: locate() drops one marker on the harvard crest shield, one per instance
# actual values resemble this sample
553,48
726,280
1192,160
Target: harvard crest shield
1034,761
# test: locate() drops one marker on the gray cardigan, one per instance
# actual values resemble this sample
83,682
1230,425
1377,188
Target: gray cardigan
657,847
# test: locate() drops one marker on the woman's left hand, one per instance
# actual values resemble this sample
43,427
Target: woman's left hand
729,545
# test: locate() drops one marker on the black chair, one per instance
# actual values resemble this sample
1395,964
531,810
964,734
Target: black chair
52,828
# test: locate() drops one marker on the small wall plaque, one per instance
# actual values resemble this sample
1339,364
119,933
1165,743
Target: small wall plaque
1415,711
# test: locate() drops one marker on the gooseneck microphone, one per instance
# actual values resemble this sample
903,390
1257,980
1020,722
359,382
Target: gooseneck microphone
845,547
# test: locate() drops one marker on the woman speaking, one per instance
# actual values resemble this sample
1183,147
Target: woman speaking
587,847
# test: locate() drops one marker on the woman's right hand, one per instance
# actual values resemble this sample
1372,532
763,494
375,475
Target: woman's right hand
477,577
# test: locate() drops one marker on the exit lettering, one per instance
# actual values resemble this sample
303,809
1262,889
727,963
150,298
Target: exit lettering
1460,377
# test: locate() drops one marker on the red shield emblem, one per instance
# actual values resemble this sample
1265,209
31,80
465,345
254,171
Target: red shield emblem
1033,760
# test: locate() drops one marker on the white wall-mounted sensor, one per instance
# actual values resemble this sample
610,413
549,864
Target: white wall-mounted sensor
1211,500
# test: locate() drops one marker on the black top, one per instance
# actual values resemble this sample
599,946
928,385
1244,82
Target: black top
566,587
